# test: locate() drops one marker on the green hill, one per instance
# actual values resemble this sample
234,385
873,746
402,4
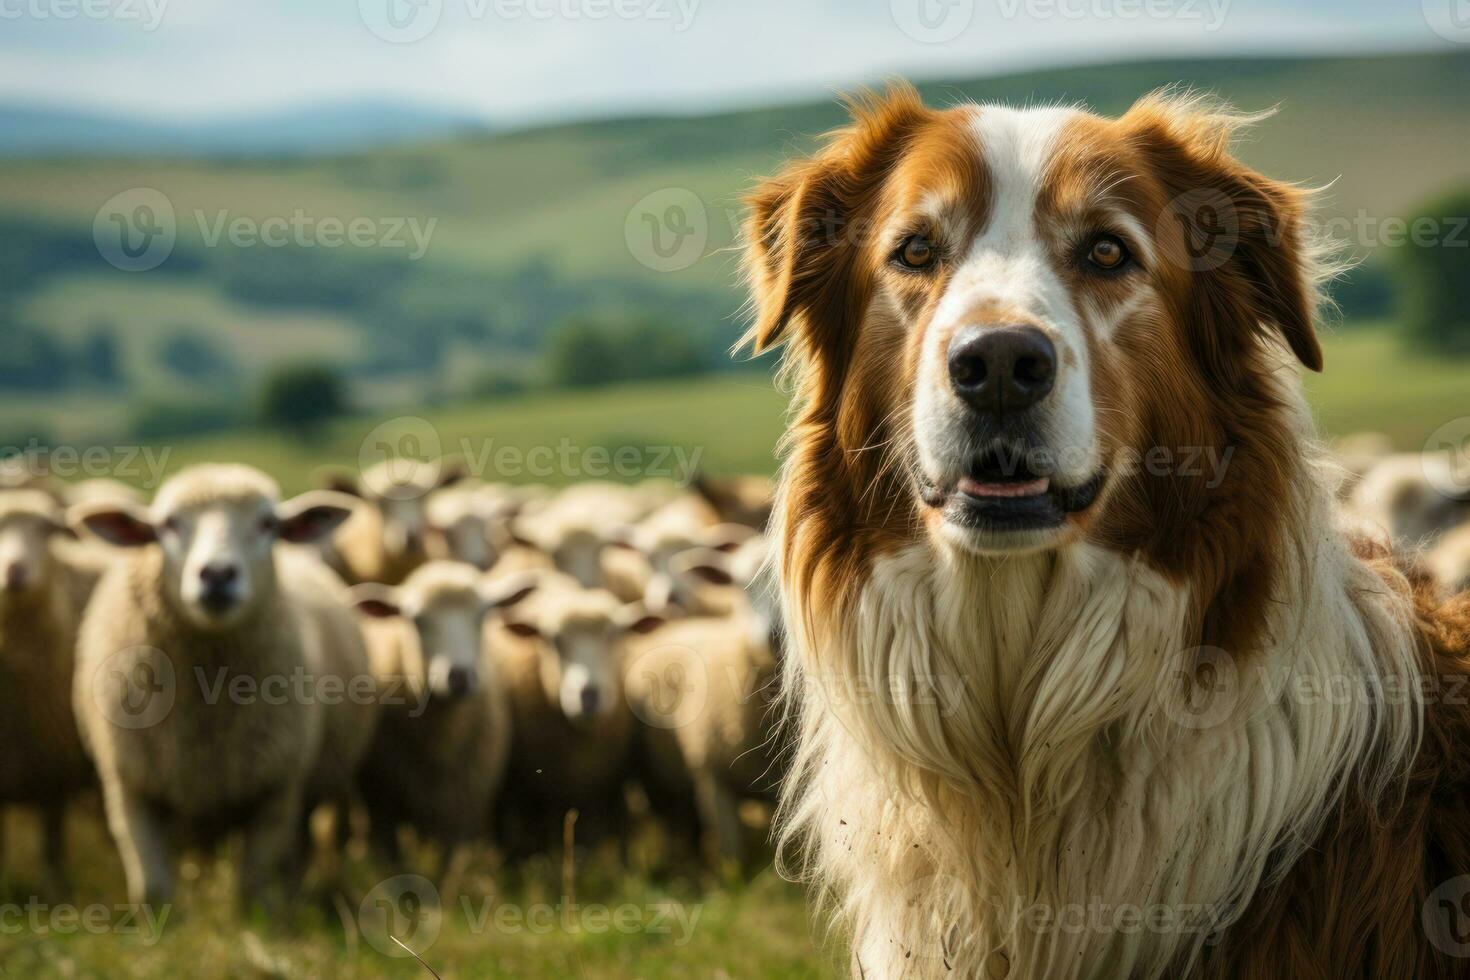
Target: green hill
526,229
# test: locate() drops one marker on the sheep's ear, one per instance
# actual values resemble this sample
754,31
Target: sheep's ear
704,564
124,525
623,537
451,471
341,480
377,601
313,515
726,537
505,591
523,629
635,618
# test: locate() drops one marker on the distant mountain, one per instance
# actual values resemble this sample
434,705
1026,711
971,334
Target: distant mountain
31,131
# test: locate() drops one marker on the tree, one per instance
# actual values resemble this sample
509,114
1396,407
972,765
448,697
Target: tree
1434,264
587,351
195,356
300,397
99,358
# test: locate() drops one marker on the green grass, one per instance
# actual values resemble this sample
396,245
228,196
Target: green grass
614,924
1372,384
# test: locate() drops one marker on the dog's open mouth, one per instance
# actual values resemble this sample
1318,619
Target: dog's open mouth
1010,491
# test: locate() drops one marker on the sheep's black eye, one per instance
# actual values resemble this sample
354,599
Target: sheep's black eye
269,524
916,252
171,525
1108,253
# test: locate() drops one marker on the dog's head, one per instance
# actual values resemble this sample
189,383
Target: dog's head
1013,328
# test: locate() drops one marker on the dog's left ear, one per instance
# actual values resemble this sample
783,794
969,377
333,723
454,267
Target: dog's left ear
1244,239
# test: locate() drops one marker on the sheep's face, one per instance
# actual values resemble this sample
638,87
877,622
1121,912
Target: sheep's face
667,592
217,528
399,490
580,652
579,554
445,605
747,572
463,537
28,522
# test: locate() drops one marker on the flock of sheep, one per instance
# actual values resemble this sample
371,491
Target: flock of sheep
406,649
413,649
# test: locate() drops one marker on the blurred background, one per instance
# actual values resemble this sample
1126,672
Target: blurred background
256,231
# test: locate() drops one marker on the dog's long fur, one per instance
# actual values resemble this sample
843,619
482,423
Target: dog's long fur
1000,770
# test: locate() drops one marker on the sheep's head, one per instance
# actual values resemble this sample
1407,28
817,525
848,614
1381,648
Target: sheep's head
29,520
445,603
745,579
463,524
399,490
216,527
660,545
581,633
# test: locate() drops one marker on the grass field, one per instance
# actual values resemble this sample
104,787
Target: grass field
609,925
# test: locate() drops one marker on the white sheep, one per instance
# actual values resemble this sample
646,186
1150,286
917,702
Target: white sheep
744,500
439,756
681,524
1413,497
703,688
1449,561
385,539
559,654
43,589
218,675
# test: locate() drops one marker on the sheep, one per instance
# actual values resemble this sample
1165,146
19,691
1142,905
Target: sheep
1414,498
1357,454
571,729
574,529
217,681
703,688
384,540
744,500
683,523
440,752
42,593
1449,561
469,522
100,489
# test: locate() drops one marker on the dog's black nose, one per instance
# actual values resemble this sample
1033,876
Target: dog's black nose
1001,369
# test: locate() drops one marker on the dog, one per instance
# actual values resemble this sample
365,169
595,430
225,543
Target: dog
1090,679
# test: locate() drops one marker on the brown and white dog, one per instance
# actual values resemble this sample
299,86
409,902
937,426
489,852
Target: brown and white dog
1089,680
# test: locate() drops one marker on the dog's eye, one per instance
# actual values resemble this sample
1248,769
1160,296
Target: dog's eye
916,252
1108,253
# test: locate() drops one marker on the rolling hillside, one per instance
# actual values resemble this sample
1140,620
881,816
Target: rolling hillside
519,231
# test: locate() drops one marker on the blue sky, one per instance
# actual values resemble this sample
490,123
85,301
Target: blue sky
515,60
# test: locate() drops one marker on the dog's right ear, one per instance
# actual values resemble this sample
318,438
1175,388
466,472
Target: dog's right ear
804,230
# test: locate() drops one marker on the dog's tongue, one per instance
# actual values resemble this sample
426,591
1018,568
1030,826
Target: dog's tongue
1031,488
